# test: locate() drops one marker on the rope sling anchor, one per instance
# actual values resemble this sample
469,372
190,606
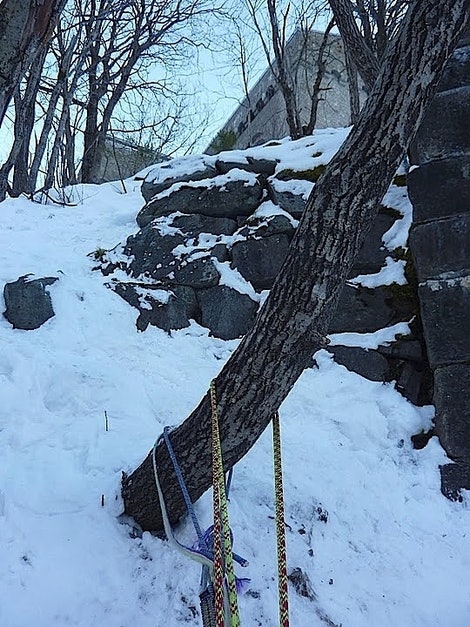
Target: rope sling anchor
219,586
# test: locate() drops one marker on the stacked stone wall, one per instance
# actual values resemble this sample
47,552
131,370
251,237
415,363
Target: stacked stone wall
440,244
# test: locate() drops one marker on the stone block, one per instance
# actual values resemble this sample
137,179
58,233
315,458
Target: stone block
445,130
266,226
258,166
362,310
445,306
440,188
28,302
409,381
231,199
452,401
198,274
192,225
441,247
368,363
259,260
227,313
170,313
457,70
151,253
290,202
220,252
151,188
408,349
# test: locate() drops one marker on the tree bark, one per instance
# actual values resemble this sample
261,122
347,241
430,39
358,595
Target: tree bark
293,322
25,27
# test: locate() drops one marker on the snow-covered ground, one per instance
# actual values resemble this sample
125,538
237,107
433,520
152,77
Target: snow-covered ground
392,552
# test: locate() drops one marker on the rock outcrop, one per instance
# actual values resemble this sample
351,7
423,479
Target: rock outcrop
214,234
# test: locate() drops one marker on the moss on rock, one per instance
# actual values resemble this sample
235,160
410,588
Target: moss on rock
311,175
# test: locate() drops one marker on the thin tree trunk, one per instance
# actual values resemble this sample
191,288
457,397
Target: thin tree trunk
70,175
23,126
283,75
24,112
25,109
353,88
316,91
293,322
25,27
363,57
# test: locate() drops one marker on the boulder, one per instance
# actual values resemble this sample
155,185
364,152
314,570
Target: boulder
161,307
446,324
451,395
151,252
441,247
195,224
445,130
290,202
28,302
151,186
259,260
266,226
228,200
197,273
266,167
227,313
440,188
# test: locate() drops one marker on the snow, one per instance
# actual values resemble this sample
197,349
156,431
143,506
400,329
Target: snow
382,337
268,209
392,272
232,278
298,187
397,235
248,178
392,552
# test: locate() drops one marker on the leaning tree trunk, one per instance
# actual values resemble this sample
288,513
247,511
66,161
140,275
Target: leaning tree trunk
25,27
293,322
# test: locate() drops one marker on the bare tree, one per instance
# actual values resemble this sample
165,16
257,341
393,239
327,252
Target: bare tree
293,322
275,22
96,81
25,28
134,34
367,26
363,57
23,126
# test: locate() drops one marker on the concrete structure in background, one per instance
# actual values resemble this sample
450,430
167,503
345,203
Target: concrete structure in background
123,159
262,115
